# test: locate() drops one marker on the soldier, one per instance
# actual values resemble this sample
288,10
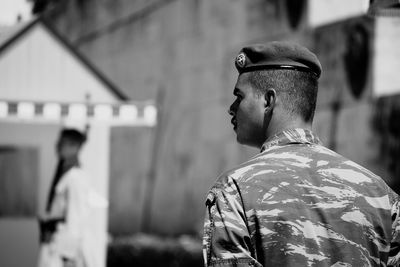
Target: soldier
296,203
67,233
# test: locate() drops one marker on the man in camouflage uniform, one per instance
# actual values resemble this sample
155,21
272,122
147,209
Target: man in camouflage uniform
296,203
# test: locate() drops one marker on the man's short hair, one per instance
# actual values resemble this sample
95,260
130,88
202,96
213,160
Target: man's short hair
298,89
73,135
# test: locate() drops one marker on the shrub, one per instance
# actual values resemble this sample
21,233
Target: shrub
148,250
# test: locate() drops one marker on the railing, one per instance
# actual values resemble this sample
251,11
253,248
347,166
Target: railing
126,113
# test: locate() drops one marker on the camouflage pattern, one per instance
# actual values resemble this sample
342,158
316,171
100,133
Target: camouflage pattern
298,203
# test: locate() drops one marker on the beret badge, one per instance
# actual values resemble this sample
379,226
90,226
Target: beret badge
241,60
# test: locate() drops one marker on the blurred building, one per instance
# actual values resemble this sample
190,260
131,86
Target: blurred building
181,52
45,84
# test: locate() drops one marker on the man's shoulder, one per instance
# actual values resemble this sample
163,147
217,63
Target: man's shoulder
314,156
280,159
291,159
345,171
342,166
244,169
268,162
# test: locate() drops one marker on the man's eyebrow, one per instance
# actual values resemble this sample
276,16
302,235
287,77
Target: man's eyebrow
236,91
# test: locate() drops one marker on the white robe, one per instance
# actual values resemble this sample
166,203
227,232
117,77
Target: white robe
74,239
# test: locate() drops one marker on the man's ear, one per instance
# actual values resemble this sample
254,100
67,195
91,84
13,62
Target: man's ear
270,99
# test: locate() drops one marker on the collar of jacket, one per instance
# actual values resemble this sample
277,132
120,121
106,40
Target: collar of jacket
292,136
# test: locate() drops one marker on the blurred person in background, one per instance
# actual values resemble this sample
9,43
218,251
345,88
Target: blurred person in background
65,232
296,203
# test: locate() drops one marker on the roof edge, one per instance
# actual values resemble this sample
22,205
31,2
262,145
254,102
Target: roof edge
16,36
117,91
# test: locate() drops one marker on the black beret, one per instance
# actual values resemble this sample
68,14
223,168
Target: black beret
277,55
73,135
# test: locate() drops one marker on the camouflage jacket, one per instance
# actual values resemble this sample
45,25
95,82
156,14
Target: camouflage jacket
298,203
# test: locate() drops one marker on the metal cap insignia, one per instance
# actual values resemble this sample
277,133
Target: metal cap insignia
241,60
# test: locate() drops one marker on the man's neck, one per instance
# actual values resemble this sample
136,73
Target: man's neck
70,162
292,124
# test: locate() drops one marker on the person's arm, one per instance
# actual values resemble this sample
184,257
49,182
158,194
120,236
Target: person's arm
394,253
226,240
47,228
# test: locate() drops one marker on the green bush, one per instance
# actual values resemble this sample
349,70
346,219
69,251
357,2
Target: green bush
147,250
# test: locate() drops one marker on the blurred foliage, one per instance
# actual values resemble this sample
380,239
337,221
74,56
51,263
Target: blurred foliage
148,250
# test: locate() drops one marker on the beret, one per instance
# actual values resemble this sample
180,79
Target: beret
277,55
73,135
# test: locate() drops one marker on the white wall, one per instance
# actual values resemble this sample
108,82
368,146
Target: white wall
386,66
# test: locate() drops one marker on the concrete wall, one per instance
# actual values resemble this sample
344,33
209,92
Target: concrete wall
20,234
184,51
129,178
347,109
19,244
